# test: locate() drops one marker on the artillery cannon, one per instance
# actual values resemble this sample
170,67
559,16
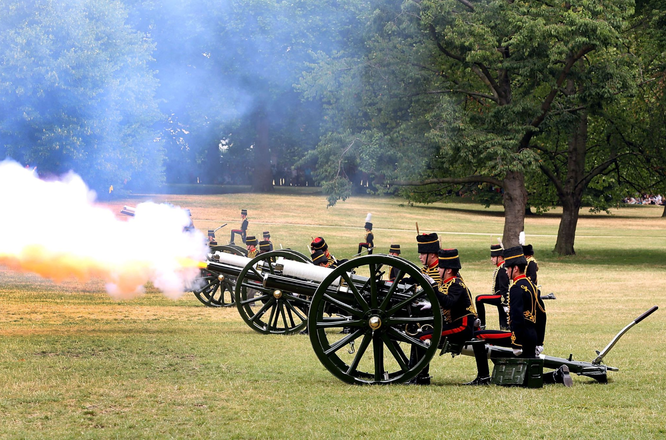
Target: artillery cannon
361,326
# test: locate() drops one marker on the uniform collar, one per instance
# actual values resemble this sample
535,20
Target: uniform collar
519,277
448,279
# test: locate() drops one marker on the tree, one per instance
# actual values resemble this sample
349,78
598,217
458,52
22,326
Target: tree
468,86
227,71
76,92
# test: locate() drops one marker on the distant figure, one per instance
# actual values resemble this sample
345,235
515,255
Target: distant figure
267,238
243,228
395,251
369,243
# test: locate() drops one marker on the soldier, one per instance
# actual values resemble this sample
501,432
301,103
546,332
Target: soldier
525,316
319,259
459,316
532,265
251,243
211,238
428,246
319,244
395,251
264,246
531,273
267,237
190,226
369,243
243,228
500,291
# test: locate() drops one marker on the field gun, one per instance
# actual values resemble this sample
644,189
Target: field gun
361,326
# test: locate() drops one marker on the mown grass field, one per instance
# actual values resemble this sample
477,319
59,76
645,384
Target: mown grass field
76,364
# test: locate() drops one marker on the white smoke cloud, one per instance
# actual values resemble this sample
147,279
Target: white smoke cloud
55,229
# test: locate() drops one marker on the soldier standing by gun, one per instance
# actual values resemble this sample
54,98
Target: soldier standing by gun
267,238
500,291
243,229
369,243
395,251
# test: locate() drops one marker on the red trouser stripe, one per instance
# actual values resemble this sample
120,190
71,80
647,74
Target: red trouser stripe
486,297
450,331
498,335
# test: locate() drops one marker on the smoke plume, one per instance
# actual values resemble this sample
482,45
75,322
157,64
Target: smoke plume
55,229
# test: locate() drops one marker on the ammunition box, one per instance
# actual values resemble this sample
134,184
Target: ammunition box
518,372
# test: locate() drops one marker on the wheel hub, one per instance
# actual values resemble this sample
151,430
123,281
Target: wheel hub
277,294
220,277
374,322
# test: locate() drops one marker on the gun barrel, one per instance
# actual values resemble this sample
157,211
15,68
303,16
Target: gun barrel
128,210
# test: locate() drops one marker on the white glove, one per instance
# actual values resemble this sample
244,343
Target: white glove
539,349
423,305
517,351
429,279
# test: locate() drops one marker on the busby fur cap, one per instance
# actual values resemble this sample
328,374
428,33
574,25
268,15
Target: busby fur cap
496,250
264,245
395,248
243,211
267,234
528,249
449,259
428,243
319,244
514,256
251,240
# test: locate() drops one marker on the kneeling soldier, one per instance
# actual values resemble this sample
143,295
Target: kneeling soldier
500,291
525,315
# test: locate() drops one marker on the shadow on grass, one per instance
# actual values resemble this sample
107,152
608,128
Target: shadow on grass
611,257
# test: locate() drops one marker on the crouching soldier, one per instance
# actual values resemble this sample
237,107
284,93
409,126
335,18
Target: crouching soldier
319,244
459,316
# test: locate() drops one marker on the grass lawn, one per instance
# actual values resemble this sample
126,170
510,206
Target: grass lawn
76,364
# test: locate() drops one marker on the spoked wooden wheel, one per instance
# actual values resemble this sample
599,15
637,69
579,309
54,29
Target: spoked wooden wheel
268,310
217,290
363,329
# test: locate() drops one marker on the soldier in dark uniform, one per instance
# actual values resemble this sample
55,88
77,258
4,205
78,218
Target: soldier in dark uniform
243,229
267,237
428,247
532,265
319,259
500,291
531,272
251,243
395,251
319,244
527,329
369,243
458,313
264,246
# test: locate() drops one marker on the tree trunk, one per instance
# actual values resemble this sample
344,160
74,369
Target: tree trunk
262,178
574,186
515,199
566,234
